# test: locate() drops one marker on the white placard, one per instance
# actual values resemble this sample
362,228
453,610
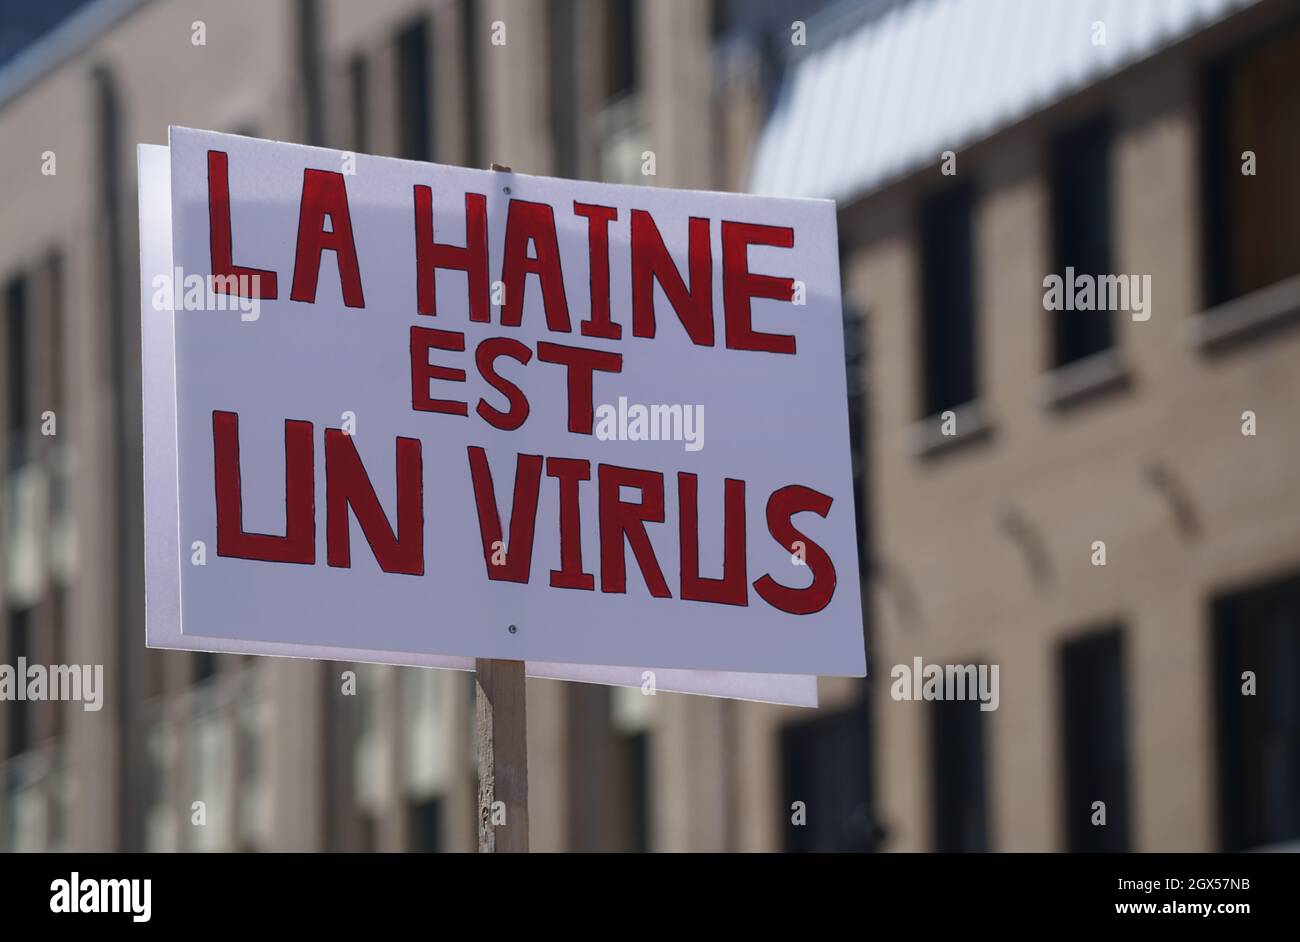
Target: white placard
353,516
163,558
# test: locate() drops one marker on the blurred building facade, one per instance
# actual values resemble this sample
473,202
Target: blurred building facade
1116,681
1084,498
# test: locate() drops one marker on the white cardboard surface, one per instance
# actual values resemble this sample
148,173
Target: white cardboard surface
162,552
312,362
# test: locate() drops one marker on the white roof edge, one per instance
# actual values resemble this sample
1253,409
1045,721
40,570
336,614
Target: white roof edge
845,167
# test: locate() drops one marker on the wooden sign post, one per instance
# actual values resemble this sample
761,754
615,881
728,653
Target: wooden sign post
501,722
502,744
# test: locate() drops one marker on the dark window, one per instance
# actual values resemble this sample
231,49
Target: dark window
16,365
205,666
55,357
18,712
425,830
1259,734
415,131
826,765
948,299
1096,764
608,764
58,628
722,16
562,27
957,761
308,20
1081,239
1252,223
359,95
621,47
473,40
636,758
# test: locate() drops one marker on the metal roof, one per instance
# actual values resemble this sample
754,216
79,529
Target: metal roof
886,87
46,44
23,22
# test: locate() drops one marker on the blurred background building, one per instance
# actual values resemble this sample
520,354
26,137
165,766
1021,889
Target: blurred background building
1117,149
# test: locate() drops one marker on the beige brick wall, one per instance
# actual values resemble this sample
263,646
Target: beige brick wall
1075,477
